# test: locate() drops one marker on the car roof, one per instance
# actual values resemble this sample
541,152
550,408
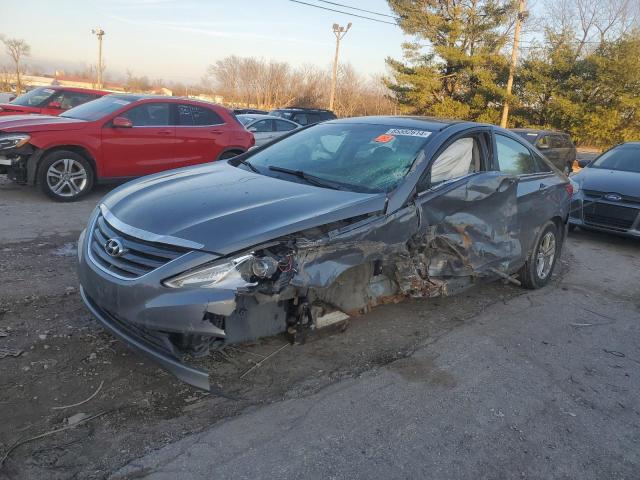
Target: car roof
301,109
537,131
260,116
75,89
634,144
138,97
424,123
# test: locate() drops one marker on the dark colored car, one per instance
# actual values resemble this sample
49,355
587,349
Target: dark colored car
607,195
304,116
254,111
116,137
49,100
328,221
556,146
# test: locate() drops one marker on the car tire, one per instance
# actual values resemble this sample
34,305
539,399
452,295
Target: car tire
229,154
65,176
538,269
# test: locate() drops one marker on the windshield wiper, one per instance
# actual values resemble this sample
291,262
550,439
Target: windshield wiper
250,165
312,179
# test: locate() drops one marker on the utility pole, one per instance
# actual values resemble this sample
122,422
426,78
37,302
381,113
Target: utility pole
522,15
339,32
98,32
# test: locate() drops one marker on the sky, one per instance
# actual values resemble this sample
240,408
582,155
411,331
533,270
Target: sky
177,39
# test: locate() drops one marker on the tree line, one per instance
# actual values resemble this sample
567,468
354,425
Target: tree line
260,83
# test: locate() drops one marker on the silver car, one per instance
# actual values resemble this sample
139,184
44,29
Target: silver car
320,225
266,127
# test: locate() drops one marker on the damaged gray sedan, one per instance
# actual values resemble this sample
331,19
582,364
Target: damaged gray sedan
323,224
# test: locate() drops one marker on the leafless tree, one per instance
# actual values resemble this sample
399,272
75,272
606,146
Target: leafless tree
592,22
17,49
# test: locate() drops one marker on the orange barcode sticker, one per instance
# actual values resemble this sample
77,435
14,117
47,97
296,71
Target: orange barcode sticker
384,138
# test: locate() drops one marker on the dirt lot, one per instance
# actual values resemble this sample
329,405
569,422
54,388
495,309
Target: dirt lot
66,356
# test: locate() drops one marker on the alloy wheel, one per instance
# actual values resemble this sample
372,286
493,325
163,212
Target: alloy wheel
546,255
67,177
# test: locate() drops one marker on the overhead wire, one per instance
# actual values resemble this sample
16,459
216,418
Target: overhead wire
343,12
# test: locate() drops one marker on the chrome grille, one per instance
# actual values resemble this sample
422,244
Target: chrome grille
139,258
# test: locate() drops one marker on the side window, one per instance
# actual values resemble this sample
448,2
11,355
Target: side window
541,164
557,141
194,115
73,99
261,126
301,118
543,142
205,116
513,157
149,115
460,158
282,126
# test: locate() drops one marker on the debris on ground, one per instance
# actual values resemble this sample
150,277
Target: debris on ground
10,352
82,402
263,360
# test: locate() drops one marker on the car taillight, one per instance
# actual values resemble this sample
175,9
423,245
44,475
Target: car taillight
569,189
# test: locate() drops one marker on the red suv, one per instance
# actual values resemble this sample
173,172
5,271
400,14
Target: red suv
116,137
49,100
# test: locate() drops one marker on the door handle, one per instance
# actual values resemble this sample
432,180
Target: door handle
165,132
215,132
542,186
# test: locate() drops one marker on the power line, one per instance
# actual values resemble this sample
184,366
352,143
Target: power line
359,9
346,13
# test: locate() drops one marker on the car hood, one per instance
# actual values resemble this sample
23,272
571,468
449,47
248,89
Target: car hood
609,181
227,209
33,123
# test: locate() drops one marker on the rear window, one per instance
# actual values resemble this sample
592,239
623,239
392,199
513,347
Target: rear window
623,158
530,137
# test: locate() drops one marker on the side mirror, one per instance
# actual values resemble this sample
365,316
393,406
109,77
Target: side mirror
583,163
122,122
55,105
252,129
542,146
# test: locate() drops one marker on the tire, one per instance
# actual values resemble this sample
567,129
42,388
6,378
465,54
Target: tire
229,154
547,249
65,176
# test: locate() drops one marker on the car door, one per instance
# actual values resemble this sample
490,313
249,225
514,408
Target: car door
263,131
467,212
201,135
146,147
538,185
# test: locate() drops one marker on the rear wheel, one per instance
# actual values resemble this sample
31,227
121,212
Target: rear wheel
65,176
538,269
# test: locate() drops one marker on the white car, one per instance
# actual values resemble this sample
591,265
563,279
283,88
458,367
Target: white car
266,127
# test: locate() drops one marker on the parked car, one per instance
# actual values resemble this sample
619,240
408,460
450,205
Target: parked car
304,116
317,226
266,127
607,192
113,138
556,146
49,100
255,111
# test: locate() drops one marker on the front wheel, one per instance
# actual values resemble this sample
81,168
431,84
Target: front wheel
538,269
65,176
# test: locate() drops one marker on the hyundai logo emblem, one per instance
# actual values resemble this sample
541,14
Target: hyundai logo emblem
114,247
613,197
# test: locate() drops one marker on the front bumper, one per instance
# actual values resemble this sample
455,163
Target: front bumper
622,218
146,344
144,313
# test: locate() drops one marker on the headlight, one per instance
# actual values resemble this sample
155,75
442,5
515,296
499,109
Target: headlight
235,273
15,140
